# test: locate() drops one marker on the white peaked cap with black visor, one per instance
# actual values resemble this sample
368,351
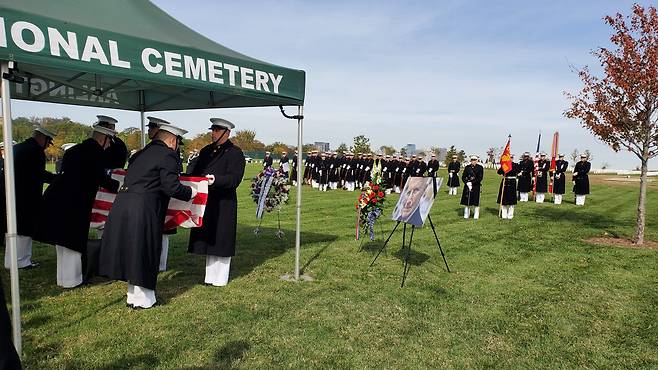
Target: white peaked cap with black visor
42,130
157,121
107,119
221,123
172,129
104,130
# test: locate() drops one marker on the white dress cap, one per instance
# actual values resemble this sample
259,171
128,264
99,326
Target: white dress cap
172,129
222,123
104,130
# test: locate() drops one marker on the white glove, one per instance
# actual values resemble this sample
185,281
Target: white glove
348,167
470,185
558,175
575,173
211,179
397,169
384,168
194,192
450,174
417,170
332,166
367,168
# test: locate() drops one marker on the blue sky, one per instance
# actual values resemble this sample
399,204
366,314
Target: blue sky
463,73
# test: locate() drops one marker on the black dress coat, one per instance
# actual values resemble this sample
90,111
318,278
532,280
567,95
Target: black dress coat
30,174
432,167
66,208
509,180
581,178
267,161
527,167
453,181
116,154
559,177
9,359
473,174
217,235
132,240
542,176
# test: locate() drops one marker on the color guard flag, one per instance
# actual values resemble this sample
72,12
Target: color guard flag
506,158
179,213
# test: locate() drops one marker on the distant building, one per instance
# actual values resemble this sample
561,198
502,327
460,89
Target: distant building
410,149
321,146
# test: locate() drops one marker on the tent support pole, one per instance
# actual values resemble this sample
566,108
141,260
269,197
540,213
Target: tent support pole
142,104
12,228
300,124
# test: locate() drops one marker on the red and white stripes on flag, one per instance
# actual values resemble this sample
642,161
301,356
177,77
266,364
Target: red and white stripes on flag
179,213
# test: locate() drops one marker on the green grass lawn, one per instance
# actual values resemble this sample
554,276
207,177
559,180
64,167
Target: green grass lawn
525,293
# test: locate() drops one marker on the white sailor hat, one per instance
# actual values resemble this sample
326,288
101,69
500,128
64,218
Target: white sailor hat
44,131
560,155
526,154
156,122
433,155
388,156
583,155
284,153
334,152
67,146
106,119
172,129
474,157
104,130
267,152
221,123
542,154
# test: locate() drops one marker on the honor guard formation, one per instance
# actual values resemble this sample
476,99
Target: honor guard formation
133,245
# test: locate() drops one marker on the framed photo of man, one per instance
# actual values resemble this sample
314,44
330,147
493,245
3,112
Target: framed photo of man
416,200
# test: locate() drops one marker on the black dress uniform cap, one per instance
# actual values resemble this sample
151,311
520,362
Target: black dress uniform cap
221,123
67,146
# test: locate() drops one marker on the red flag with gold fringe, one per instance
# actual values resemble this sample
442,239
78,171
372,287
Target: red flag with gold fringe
506,158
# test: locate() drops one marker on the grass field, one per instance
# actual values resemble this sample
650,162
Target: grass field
525,293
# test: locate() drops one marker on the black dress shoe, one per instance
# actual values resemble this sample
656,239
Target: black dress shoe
31,266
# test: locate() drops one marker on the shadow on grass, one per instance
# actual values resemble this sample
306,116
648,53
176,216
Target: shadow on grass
143,361
227,357
591,220
252,250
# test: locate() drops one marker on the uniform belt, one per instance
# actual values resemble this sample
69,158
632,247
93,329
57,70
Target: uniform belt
511,177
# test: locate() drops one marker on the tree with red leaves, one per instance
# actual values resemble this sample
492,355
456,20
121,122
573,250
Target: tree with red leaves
621,108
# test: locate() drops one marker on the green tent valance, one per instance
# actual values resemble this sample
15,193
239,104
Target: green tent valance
129,54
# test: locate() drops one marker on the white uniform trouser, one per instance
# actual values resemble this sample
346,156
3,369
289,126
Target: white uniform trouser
349,186
140,297
452,191
507,212
217,269
23,251
69,267
294,182
557,198
540,197
580,200
165,253
333,185
523,197
476,212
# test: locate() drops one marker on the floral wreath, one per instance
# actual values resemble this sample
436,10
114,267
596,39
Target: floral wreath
279,190
370,204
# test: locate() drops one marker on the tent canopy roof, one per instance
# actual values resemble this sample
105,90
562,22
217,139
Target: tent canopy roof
129,54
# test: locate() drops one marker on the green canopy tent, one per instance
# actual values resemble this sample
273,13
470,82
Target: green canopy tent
131,55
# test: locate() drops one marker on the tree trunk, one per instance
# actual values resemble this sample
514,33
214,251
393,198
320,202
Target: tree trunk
638,238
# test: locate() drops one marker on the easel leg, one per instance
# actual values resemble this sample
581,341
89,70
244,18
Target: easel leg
404,235
406,256
438,242
386,242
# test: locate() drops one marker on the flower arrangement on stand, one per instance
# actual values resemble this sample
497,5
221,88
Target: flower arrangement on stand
369,207
270,191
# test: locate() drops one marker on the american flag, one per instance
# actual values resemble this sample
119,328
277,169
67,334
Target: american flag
179,213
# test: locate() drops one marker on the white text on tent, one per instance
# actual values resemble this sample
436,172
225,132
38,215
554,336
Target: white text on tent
177,65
